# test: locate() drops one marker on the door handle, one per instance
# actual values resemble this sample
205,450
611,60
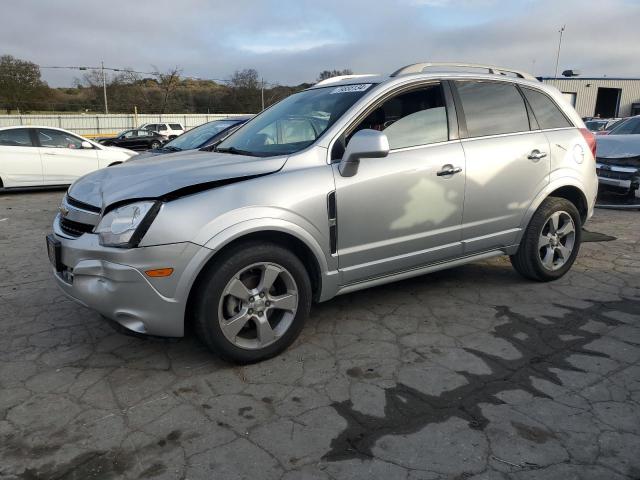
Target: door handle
49,153
448,170
536,155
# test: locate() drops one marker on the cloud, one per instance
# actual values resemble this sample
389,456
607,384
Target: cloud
290,41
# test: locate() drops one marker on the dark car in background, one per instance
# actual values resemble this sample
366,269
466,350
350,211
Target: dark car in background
135,140
204,136
629,126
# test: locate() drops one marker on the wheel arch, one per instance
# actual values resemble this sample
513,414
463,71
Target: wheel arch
298,246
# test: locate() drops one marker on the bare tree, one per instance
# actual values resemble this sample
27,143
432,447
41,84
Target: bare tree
168,83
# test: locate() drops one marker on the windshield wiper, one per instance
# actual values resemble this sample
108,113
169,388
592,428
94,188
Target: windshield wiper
235,151
171,148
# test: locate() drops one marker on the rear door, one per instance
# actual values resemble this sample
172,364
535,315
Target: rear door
63,158
401,212
20,163
507,161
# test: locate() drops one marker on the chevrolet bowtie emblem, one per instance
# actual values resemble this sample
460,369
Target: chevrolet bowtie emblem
64,211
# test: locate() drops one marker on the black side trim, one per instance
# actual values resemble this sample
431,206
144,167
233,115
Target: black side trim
333,221
452,115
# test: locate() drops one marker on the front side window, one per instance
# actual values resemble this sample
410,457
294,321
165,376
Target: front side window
128,134
546,111
492,108
294,123
418,117
175,126
15,137
58,139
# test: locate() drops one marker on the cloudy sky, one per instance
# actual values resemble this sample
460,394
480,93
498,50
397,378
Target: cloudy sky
290,41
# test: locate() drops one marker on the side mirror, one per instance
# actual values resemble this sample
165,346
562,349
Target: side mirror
86,144
364,144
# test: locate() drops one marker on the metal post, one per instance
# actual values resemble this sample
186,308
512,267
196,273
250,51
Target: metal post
104,90
558,55
262,93
135,116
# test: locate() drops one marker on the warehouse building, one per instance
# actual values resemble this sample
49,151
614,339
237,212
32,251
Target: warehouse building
600,97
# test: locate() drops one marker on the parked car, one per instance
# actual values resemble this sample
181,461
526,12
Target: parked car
355,182
618,163
136,140
601,125
629,126
169,130
36,156
204,136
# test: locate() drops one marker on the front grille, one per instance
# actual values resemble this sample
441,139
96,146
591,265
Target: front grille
81,205
74,229
615,175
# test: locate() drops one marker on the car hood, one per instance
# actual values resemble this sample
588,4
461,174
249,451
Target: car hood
168,175
618,146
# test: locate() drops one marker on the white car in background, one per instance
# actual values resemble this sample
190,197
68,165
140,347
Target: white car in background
32,156
169,130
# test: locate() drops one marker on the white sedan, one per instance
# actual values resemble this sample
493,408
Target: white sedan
37,156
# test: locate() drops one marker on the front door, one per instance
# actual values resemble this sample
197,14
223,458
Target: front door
508,163
401,212
20,164
63,158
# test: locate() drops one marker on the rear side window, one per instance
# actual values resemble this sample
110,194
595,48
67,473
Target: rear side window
175,126
492,108
15,137
547,113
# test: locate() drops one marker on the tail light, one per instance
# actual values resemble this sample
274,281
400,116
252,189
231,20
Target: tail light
590,138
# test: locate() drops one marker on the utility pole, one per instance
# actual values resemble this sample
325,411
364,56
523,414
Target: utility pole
104,89
262,93
558,55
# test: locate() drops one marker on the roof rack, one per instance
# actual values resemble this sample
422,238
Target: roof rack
338,78
492,69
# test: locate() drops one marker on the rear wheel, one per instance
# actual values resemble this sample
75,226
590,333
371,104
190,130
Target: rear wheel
551,242
251,303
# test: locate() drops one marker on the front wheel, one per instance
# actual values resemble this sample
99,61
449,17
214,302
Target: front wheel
155,145
551,242
252,302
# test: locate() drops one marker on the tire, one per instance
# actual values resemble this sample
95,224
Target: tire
545,255
155,145
261,329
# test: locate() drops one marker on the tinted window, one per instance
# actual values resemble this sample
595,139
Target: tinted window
15,137
414,118
547,113
152,127
626,127
492,108
175,126
58,139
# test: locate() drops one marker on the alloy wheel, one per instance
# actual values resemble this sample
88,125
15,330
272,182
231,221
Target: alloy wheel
557,240
258,305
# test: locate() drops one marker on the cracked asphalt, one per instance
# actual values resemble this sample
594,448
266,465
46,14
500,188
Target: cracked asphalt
471,373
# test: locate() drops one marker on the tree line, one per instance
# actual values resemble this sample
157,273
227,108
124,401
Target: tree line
22,90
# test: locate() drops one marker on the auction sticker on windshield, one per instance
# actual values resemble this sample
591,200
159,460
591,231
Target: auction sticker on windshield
361,87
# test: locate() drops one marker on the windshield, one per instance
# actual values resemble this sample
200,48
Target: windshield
198,136
294,123
628,126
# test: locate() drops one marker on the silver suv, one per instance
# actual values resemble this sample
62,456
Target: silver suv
355,182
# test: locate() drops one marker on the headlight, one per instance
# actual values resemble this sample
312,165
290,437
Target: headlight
125,226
